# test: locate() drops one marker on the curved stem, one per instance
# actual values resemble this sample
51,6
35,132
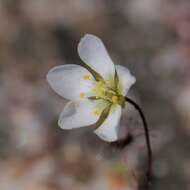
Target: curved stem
149,150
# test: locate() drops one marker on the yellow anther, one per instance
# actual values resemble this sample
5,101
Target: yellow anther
82,94
86,77
114,99
96,112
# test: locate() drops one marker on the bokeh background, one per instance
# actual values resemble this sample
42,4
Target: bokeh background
150,37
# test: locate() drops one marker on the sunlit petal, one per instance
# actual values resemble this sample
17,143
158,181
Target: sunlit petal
126,80
73,82
108,131
93,52
80,113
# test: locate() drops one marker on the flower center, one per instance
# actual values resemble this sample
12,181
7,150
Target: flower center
102,91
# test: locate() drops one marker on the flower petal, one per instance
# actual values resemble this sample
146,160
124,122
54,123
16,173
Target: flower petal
126,80
71,81
80,114
108,131
93,52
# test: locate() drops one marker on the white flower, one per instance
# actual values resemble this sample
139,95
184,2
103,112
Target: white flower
96,90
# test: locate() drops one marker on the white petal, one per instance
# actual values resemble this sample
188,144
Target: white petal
79,114
108,131
68,81
93,52
126,80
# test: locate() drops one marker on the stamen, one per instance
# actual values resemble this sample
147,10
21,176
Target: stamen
82,94
114,99
86,77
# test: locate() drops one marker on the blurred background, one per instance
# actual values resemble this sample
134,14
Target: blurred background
150,37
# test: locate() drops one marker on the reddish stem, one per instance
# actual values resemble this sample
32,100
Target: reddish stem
149,151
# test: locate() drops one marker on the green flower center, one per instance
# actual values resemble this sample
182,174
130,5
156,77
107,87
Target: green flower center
108,92
102,90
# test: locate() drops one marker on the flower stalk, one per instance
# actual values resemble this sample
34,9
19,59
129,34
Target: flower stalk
148,143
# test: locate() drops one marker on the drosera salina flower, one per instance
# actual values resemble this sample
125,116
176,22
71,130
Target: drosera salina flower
96,89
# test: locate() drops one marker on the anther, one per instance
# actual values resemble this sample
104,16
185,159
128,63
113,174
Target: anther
86,77
114,99
82,94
